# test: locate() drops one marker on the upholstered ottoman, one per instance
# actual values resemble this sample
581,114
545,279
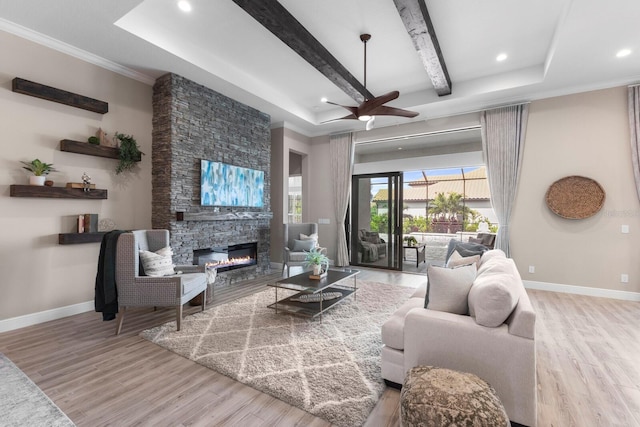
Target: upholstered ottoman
433,397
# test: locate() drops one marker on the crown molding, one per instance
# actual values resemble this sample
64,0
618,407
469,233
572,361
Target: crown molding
44,40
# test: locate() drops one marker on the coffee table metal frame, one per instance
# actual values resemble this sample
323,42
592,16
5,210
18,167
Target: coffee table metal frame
304,285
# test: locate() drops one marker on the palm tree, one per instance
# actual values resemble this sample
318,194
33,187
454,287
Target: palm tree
450,206
440,206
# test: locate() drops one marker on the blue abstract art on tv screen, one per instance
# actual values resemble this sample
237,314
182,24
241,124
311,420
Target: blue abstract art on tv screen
226,185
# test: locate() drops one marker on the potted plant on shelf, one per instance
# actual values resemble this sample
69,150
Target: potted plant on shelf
39,169
318,261
129,152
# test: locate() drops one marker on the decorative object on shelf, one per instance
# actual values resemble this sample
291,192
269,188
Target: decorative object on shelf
318,261
129,152
102,137
410,240
80,223
86,182
49,93
106,224
39,169
79,185
90,223
575,197
326,296
48,183
94,140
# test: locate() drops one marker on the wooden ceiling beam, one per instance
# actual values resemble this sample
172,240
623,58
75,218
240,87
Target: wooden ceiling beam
415,16
274,17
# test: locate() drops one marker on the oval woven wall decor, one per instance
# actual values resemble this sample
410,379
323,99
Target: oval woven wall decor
575,197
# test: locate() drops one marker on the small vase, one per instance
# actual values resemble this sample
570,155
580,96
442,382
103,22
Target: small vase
317,269
37,180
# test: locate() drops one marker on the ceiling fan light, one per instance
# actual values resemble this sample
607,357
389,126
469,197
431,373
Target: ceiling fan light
364,118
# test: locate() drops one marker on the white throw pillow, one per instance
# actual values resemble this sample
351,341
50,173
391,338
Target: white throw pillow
158,263
448,288
492,298
313,237
457,260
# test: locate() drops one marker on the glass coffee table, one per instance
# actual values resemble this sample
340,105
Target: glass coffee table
313,289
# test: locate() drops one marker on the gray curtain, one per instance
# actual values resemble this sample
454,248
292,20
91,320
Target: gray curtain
503,131
341,151
634,124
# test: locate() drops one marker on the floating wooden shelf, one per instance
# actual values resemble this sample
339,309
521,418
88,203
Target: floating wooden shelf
75,238
55,192
91,149
49,93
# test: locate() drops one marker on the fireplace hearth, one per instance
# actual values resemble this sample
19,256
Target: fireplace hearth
225,258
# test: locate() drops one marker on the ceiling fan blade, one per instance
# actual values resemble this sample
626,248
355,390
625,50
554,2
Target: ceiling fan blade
371,104
391,111
354,110
348,117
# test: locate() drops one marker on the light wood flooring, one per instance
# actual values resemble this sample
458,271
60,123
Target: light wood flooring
588,358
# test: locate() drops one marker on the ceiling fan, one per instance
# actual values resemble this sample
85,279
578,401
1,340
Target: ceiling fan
370,108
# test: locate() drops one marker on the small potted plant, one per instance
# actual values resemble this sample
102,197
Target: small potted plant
39,169
410,240
129,152
318,261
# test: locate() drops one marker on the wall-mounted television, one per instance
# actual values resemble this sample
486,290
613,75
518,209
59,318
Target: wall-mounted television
227,185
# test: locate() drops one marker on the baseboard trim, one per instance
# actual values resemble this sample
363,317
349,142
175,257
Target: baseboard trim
582,290
44,316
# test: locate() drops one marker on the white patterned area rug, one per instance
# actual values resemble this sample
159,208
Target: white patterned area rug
23,404
330,369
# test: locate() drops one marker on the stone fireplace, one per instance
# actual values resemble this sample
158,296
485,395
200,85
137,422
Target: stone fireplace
191,123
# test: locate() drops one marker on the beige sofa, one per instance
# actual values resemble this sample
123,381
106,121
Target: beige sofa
503,353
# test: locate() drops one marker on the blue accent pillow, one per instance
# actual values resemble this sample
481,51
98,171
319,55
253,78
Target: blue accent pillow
303,245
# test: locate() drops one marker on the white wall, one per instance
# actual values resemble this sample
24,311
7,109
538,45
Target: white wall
585,134
37,273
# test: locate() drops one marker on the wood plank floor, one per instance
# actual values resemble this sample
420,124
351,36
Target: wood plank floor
588,354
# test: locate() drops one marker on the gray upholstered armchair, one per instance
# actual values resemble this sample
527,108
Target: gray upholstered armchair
294,253
135,290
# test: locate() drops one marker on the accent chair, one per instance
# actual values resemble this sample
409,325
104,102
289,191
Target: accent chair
295,247
137,290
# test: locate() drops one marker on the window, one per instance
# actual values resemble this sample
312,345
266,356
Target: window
448,201
295,200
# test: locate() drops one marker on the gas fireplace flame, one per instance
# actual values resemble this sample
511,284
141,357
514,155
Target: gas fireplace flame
231,261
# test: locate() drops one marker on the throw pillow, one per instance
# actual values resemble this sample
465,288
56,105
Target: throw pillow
465,248
303,245
372,237
158,263
448,288
313,237
492,298
457,260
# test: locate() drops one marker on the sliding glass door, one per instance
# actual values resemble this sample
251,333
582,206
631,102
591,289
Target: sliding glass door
376,219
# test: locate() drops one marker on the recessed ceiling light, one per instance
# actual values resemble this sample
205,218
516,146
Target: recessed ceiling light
623,52
323,99
501,57
184,6
399,148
